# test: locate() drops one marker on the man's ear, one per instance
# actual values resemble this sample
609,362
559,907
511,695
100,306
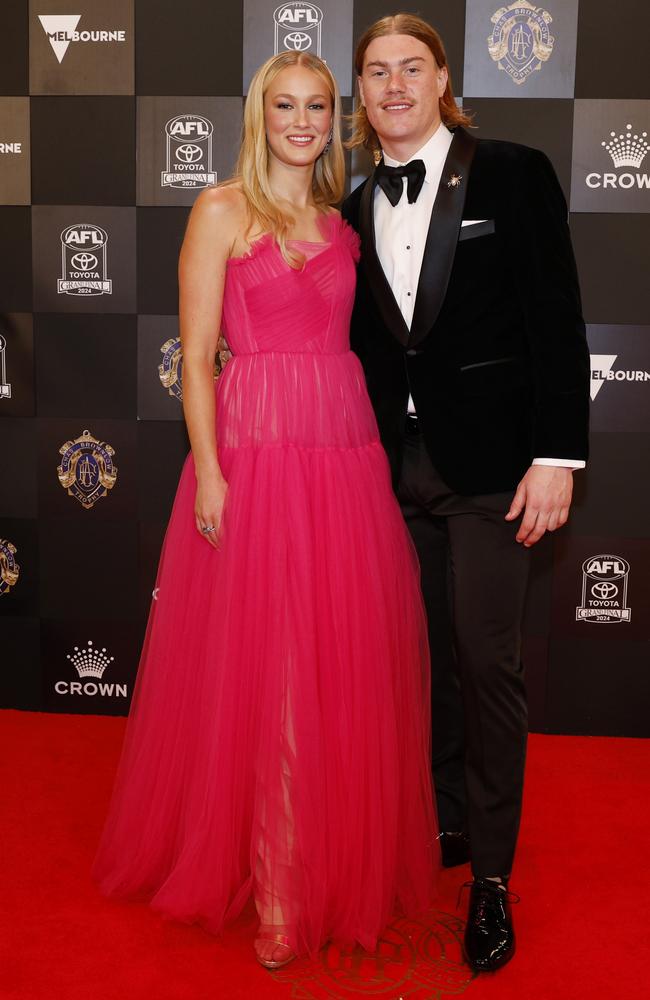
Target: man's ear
360,84
443,77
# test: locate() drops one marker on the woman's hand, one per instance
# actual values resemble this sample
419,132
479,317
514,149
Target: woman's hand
208,507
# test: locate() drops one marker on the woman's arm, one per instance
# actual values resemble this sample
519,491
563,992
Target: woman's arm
211,230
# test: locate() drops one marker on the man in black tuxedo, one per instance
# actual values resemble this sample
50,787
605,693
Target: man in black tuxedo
468,324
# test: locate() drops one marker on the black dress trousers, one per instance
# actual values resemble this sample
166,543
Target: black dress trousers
474,578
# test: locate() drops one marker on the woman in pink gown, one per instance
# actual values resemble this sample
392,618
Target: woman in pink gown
278,741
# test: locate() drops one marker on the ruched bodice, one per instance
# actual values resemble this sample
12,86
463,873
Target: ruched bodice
293,378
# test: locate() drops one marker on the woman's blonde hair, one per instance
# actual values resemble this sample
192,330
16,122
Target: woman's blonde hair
363,133
252,170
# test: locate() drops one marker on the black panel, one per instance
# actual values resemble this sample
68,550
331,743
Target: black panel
162,450
596,690
189,48
86,365
612,254
14,49
160,235
83,150
15,259
613,495
87,570
612,53
18,482
543,124
21,674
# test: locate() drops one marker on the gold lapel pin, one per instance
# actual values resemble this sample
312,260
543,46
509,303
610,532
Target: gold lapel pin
454,181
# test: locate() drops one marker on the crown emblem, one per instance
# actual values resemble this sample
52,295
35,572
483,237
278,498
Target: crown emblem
626,149
90,662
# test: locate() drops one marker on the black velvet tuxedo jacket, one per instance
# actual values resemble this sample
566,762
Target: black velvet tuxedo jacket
496,358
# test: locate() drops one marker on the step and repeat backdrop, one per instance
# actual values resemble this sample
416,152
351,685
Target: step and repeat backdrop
113,117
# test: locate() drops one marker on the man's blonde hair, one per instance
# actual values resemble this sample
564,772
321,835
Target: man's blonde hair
363,133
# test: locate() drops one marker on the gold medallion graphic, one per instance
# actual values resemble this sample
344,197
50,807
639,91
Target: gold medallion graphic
87,471
170,370
9,568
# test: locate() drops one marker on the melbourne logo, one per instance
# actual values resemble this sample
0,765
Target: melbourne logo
170,370
9,568
87,471
520,41
83,261
602,370
297,27
90,664
61,29
627,151
604,590
189,153
5,387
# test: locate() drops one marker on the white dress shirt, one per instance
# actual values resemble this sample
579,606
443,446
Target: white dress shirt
401,233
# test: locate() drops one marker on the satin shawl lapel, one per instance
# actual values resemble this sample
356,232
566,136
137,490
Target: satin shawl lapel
377,281
442,237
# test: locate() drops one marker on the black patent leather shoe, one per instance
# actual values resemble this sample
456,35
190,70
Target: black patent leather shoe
454,848
489,934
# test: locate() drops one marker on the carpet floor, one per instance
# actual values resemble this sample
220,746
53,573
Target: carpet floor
582,871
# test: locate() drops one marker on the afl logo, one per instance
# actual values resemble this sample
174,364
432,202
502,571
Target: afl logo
188,153
83,261
297,27
84,235
604,590
184,127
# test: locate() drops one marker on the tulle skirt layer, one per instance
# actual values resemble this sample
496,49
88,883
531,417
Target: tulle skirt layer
278,741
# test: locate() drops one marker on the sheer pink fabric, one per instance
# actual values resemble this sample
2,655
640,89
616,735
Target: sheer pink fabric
278,741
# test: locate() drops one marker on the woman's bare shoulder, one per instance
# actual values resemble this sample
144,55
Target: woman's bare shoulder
217,217
221,204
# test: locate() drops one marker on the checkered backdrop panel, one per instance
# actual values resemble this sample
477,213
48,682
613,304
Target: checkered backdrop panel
112,120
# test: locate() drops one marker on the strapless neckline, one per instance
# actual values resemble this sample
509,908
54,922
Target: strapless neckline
267,239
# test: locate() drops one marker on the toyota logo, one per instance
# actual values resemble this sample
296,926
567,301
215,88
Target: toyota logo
189,153
297,40
605,591
83,262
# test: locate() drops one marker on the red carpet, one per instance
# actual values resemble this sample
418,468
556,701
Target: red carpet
582,872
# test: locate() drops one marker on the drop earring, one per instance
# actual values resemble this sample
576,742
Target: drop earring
328,144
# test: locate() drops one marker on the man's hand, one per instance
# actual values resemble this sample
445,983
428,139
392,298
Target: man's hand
545,495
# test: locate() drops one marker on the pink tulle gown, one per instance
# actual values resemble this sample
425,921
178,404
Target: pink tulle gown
278,740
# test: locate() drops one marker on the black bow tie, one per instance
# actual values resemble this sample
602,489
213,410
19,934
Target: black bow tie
390,180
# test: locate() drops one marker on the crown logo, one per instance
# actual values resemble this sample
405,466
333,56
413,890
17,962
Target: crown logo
90,662
627,150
